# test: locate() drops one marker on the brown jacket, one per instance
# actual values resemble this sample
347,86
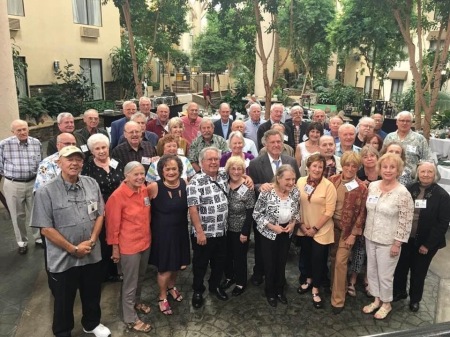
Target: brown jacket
354,209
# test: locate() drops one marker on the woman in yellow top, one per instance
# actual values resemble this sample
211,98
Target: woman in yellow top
316,232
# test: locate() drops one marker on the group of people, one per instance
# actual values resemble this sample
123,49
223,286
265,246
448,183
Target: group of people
108,207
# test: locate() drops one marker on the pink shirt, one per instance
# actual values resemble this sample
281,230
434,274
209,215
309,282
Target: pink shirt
128,219
191,129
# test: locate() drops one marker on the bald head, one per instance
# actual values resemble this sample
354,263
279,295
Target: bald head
65,139
20,129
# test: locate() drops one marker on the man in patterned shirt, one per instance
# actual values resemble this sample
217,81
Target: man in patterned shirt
414,144
19,160
206,139
208,207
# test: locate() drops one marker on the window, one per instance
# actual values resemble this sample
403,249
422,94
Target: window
21,79
15,7
397,87
87,12
92,69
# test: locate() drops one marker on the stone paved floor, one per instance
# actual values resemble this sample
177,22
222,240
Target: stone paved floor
26,305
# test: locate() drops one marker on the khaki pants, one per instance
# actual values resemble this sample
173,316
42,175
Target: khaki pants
339,255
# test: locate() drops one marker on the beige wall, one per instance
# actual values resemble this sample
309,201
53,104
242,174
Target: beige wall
48,33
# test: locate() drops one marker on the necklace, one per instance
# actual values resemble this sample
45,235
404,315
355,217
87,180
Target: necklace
172,186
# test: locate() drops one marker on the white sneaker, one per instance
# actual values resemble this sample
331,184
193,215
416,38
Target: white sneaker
100,331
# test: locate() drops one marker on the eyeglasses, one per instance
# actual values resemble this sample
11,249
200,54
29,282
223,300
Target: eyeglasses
404,120
134,132
68,143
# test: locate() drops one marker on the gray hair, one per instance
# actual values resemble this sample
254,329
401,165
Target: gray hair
137,115
63,115
89,111
415,172
276,105
366,119
202,153
270,133
206,121
254,106
126,103
296,107
97,138
404,113
144,98
274,125
347,126
174,121
131,166
222,104
236,134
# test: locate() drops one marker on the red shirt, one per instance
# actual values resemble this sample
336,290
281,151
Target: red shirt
128,219
155,126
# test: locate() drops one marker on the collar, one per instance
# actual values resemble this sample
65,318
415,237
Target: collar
128,191
272,159
158,122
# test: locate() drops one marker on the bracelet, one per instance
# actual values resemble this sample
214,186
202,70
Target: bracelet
315,228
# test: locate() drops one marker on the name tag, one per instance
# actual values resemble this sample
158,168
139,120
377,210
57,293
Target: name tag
147,201
180,152
92,207
305,138
146,161
372,199
411,148
351,185
84,148
113,163
284,204
420,203
309,189
242,190
285,138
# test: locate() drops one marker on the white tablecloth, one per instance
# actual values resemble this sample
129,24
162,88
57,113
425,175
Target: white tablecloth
440,146
445,177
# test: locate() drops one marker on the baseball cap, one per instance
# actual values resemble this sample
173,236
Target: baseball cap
70,150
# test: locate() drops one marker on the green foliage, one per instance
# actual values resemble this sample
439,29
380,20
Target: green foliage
441,120
178,58
234,97
19,65
100,106
122,69
339,95
31,107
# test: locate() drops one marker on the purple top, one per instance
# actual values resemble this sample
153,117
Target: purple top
227,155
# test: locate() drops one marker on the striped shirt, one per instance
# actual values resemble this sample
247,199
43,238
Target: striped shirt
20,160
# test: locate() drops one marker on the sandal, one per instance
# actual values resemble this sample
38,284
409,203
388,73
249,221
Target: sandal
139,326
382,313
371,308
142,308
176,295
304,288
351,291
183,268
164,307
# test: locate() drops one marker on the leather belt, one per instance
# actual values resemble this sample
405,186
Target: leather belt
21,180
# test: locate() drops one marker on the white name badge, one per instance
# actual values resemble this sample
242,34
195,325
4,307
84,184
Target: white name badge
420,203
92,207
411,148
84,148
305,138
247,162
180,152
285,137
113,163
351,185
242,190
372,199
147,201
284,204
146,161
309,189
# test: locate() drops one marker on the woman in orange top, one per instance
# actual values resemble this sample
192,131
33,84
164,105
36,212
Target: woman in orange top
128,231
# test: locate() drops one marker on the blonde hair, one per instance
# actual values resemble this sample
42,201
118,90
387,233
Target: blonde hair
393,158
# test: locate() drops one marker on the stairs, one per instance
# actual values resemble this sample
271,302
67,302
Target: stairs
181,87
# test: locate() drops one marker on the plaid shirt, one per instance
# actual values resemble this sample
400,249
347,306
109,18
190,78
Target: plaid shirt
124,153
20,160
199,144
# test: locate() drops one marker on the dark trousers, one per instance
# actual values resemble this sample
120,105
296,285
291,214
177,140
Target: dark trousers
213,253
87,279
109,268
258,268
275,254
418,264
236,260
313,261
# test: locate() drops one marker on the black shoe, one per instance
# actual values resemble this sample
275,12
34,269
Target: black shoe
197,300
256,280
317,304
237,291
414,307
282,298
272,301
22,250
39,243
220,294
227,283
399,297
337,310
301,288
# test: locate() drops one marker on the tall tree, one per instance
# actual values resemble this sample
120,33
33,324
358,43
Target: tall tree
310,49
159,25
416,19
368,27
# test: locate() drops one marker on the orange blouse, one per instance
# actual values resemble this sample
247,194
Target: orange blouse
128,219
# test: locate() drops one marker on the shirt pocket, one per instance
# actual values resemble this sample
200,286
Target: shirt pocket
64,217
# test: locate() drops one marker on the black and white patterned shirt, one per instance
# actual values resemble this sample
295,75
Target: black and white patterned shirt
212,202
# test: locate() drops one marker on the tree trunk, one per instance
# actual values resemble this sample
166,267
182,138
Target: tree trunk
372,70
218,84
127,17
